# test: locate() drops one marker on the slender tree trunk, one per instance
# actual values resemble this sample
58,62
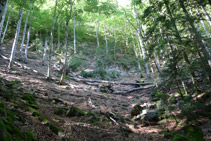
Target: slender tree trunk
202,23
66,50
5,30
105,32
16,36
157,62
28,36
126,38
115,45
96,27
185,56
51,46
3,17
142,45
135,50
45,50
74,42
24,32
2,7
66,47
207,15
199,40
58,36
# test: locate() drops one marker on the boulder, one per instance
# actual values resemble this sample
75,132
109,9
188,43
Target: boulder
75,111
137,109
151,116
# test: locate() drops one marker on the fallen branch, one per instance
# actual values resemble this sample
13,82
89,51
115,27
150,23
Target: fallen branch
132,90
110,82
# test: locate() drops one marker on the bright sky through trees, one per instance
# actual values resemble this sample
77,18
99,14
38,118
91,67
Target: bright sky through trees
123,3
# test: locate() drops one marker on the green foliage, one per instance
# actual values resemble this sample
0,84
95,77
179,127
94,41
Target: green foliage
75,111
11,83
60,112
75,64
191,133
30,100
30,136
86,74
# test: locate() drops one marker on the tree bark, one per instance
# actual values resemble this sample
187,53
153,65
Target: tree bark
28,36
58,46
199,40
66,50
66,46
74,42
45,50
4,11
106,40
96,27
24,32
16,36
5,30
142,45
51,46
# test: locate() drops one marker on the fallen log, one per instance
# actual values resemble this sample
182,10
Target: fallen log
133,89
110,82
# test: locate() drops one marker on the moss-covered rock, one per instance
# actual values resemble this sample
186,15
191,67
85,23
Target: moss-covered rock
4,135
75,111
190,133
137,109
36,114
30,100
180,137
10,84
30,136
127,132
194,132
60,112
90,114
53,128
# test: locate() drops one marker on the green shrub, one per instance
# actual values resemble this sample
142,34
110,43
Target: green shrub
75,64
87,74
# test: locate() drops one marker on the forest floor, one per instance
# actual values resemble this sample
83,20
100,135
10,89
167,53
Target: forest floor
50,97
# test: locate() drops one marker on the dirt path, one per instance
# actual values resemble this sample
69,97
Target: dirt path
85,97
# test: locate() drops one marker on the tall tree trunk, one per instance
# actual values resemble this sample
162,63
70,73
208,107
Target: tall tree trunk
58,36
74,42
24,32
51,46
16,36
5,30
142,44
136,54
96,30
199,40
66,47
203,25
126,38
207,15
157,63
66,50
3,17
28,35
45,50
185,56
106,40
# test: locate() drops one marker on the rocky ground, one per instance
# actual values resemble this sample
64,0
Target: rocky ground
104,116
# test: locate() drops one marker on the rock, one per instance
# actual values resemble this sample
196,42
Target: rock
137,109
75,111
151,117
106,88
60,111
189,133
